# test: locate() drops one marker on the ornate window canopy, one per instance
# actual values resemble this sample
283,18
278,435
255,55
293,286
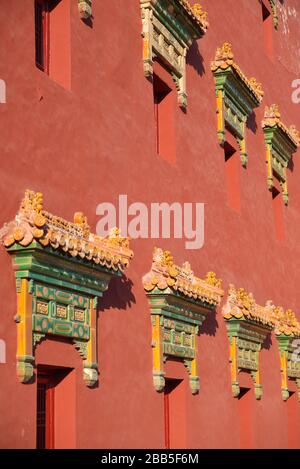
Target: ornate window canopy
287,331
179,303
237,96
61,270
169,28
85,8
281,143
248,325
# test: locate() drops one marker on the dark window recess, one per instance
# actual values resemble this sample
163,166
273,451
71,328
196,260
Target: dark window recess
41,34
265,12
45,410
243,391
41,416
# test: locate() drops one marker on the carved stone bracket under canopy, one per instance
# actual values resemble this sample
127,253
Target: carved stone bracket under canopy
85,9
237,96
179,303
281,142
248,325
61,270
169,29
287,331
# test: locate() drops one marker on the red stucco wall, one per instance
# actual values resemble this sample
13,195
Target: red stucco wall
88,144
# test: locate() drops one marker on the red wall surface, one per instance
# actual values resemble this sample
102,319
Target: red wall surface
94,139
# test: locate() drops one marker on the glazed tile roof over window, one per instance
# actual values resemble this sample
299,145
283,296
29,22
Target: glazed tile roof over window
166,275
196,12
285,322
61,270
179,304
224,60
272,118
236,96
281,143
33,223
169,29
242,305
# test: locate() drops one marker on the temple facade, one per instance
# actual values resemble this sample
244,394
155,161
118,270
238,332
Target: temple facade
149,220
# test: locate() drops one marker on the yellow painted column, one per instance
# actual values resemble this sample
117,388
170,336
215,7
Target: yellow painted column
257,385
156,335
194,378
158,374
146,48
234,368
24,332
284,377
285,192
269,167
194,361
90,371
147,42
220,120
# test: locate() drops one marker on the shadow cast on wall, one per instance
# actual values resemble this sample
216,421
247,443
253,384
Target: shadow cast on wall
267,343
251,122
195,59
88,21
291,165
119,295
210,325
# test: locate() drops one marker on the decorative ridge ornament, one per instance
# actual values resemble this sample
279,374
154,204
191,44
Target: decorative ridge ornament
61,270
179,303
285,322
281,143
196,12
85,9
169,29
248,325
165,275
33,224
237,96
